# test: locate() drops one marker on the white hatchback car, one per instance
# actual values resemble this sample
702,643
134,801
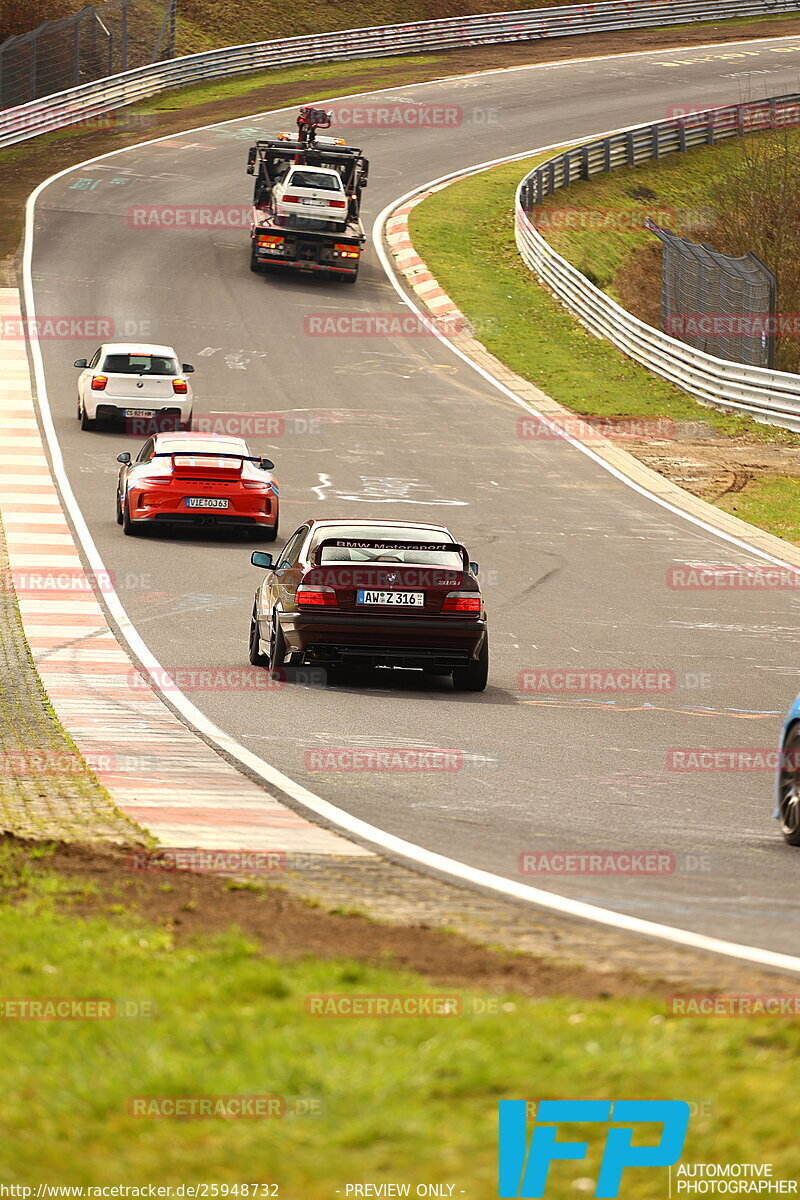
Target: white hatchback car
315,192
125,380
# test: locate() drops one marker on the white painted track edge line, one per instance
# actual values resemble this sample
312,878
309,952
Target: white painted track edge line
269,775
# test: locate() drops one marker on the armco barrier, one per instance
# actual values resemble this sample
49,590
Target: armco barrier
105,95
765,394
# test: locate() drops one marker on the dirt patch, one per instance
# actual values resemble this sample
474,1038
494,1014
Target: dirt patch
381,913
195,907
711,466
22,169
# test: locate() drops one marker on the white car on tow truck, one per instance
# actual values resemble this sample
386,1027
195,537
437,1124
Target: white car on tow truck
129,380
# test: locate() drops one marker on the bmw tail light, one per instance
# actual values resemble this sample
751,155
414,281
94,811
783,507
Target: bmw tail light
462,602
316,597
292,199
337,203
180,387
99,383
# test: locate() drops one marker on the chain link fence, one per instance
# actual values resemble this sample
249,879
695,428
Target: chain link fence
716,303
96,42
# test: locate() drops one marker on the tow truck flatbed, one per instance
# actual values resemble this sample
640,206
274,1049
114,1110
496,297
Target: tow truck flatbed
304,242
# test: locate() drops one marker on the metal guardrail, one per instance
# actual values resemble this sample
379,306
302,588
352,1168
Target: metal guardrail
765,394
103,96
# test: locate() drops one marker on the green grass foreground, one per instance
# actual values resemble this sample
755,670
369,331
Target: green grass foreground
402,1099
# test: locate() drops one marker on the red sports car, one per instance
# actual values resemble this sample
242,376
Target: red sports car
197,479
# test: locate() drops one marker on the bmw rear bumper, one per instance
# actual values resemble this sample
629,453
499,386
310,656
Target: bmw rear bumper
355,638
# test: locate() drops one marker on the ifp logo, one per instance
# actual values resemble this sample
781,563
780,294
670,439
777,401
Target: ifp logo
523,1170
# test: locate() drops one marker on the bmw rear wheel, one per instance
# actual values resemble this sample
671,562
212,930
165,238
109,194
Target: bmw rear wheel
256,657
277,646
475,675
789,787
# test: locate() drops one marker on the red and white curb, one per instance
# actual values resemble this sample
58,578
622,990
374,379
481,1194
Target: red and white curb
156,770
415,271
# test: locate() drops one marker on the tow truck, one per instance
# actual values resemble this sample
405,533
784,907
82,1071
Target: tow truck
286,231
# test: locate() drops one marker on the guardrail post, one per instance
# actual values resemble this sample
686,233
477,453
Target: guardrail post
682,135
710,128
585,173
631,148
656,143
566,160
607,154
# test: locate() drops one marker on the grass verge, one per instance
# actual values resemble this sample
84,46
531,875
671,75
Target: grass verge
226,1019
465,234
772,503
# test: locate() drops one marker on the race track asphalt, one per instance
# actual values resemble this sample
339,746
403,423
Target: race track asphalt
574,562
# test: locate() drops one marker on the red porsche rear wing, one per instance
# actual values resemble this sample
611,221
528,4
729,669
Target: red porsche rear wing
210,463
